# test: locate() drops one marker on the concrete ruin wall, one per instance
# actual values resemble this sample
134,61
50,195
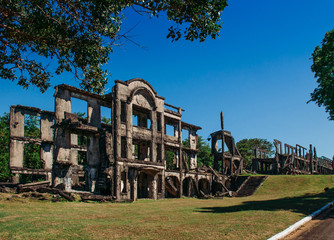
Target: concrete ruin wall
126,158
18,141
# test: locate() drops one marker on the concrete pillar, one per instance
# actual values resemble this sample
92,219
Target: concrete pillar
47,155
192,139
74,152
62,136
62,171
16,154
16,148
154,187
16,123
46,127
118,182
93,151
153,138
93,113
118,128
47,135
129,130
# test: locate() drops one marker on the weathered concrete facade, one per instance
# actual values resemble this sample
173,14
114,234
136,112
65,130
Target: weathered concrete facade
132,157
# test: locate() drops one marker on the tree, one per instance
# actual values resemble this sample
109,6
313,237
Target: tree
204,156
246,148
31,151
78,35
323,68
4,148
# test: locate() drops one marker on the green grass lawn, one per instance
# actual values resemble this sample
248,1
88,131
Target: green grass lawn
281,201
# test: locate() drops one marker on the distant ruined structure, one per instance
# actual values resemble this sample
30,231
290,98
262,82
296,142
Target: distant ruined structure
293,160
126,159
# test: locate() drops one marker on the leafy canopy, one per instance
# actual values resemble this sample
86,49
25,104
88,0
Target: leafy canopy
323,68
246,148
78,36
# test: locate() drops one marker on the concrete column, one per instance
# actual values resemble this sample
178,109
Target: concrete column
74,153
93,151
118,128
16,154
118,182
192,139
47,135
62,136
93,113
153,138
16,123
154,187
16,148
129,130
163,157
46,127
47,155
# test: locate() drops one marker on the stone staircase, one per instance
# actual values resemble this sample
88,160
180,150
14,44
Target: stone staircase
250,186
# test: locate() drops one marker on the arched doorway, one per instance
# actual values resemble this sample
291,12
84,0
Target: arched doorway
189,187
204,186
172,185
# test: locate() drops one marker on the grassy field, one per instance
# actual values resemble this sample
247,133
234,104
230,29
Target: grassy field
281,201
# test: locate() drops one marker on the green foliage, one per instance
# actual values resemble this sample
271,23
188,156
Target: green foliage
31,126
78,35
246,148
4,148
323,68
80,114
169,160
31,152
204,157
106,120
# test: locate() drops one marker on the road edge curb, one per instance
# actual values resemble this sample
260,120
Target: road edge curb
301,222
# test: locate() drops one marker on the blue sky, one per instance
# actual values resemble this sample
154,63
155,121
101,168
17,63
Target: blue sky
257,72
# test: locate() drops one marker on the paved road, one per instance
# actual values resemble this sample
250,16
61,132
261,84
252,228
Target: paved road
320,228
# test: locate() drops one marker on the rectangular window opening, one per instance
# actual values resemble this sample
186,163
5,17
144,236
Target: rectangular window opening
106,115
79,107
32,156
159,126
123,147
123,111
32,126
82,158
141,150
169,130
171,159
141,117
82,140
159,153
29,178
159,183
123,182
185,138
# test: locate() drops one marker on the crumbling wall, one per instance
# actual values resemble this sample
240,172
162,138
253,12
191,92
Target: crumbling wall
126,159
18,141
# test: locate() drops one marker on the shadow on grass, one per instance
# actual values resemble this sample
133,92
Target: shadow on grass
305,204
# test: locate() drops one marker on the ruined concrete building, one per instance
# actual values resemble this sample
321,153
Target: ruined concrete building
131,157
293,160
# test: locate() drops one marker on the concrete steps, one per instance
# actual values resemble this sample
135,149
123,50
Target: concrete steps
250,186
